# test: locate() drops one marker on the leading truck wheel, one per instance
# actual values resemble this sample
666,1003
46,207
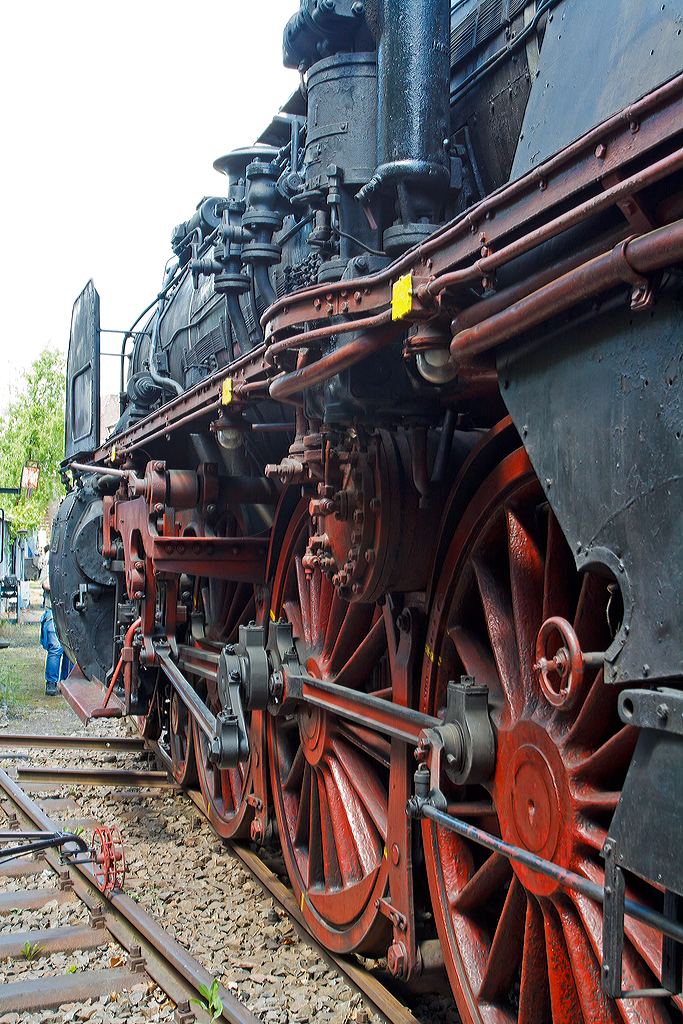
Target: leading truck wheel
517,946
329,777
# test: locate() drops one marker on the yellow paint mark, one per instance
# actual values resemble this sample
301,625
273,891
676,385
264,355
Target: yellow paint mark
226,393
402,297
113,454
302,901
272,615
385,853
430,654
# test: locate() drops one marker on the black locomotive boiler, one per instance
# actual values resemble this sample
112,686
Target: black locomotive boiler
385,549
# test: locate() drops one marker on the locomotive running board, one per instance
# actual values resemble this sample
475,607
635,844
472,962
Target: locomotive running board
85,695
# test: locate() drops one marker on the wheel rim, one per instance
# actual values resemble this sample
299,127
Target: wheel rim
517,946
329,778
224,789
181,742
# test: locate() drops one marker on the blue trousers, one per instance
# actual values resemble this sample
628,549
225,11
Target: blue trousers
57,665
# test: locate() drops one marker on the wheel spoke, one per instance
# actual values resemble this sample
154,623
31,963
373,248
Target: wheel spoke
327,593
526,586
564,998
612,755
354,819
364,658
534,996
593,801
590,834
594,719
333,875
303,818
476,658
366,740
596,1007
506,949
355,626
494,873
349,859
316,863
296,772
291,610
367,786
497,607
314,598
338,609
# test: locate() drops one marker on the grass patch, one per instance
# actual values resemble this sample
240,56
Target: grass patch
22,671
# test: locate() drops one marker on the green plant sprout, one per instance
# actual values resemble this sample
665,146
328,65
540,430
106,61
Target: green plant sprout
31,952
213,1004
71,969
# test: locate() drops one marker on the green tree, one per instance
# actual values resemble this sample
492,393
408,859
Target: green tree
33,428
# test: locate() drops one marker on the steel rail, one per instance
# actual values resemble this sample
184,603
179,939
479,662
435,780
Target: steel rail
123,744
166,961
563,876
95,777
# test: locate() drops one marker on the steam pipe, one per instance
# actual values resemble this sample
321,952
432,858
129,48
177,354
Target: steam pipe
262,282
624,264
238,322
291,384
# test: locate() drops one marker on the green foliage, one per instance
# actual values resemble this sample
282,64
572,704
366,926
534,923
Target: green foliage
9,685
32,427
213,1004
31,952
71,969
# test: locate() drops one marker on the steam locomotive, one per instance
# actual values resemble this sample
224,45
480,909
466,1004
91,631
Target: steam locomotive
385,549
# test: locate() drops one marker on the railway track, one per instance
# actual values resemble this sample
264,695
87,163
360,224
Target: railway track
146,949
167,963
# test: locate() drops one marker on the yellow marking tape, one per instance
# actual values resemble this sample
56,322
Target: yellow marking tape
402,297
430,654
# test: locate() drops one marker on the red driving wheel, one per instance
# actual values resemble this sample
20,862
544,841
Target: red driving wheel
517,946
181,742
329,777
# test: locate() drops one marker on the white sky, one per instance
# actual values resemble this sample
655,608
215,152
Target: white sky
111,115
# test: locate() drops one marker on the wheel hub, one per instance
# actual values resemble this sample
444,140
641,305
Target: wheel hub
313,732
533,801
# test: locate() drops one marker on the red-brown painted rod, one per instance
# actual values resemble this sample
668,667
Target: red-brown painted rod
641,255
